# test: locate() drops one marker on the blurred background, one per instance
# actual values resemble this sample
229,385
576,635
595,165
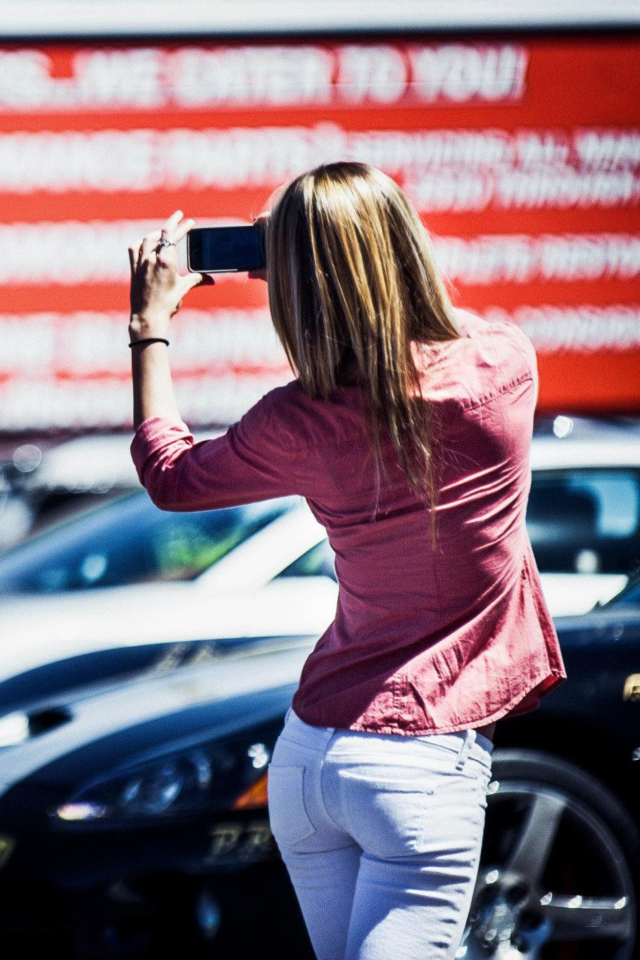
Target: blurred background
519,149
135,825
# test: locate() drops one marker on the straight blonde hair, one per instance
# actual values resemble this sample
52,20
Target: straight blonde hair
352,281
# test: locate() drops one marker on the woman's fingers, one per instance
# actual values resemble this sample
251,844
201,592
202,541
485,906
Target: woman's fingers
198,279
149,243
182,230
162,284
170,226
133,258
172,230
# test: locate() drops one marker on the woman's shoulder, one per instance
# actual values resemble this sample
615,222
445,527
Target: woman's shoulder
490,356
305,423
509,335
290,416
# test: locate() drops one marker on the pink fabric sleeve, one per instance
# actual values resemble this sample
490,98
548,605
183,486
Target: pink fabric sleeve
253,460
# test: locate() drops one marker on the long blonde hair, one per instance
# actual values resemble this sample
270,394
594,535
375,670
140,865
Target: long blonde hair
352,280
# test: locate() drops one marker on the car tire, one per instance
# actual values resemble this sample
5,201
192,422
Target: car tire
559,875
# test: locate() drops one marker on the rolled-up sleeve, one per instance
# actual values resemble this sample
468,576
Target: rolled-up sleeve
253,460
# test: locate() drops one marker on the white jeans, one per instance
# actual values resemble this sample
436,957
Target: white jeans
381,835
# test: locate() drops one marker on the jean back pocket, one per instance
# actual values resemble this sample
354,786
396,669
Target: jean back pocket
288,817
387,815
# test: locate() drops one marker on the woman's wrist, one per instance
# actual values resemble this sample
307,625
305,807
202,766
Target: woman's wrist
143,327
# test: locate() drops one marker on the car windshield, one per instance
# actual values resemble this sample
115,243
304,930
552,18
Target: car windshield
131,541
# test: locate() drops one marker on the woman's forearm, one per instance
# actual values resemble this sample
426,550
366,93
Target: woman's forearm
157,290
153,394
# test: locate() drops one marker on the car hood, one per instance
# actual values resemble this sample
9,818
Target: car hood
40,630
132,721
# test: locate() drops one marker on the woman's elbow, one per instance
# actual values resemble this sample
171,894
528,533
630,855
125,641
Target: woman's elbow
161,490
171,491
158,498
163,503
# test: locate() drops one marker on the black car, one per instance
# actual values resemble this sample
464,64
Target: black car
133,819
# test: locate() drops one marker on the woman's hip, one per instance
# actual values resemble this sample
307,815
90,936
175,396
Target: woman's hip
466,750
394,796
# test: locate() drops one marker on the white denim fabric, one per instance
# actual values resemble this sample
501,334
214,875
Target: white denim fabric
381,836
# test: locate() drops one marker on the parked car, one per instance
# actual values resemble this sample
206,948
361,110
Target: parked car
583,514
45,482
133,813
16,516
245,571
91,594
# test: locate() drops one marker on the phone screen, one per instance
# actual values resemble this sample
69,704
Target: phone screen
225,249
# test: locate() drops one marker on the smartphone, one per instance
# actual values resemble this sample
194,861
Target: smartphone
226,249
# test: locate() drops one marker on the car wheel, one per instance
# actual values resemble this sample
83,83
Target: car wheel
558,876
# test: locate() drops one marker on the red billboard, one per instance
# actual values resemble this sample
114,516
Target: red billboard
521,154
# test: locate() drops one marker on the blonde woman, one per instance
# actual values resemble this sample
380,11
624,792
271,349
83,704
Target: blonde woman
407,428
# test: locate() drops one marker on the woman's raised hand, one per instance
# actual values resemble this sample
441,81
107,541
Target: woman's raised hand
157,286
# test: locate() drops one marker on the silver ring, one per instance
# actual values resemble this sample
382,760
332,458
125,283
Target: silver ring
166,243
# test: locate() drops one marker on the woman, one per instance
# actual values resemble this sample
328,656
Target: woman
407,428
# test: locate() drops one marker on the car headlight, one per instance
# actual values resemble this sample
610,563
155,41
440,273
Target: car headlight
204,779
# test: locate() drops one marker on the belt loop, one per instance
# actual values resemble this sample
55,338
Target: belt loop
465,749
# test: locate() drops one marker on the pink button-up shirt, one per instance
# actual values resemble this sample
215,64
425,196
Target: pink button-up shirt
422,641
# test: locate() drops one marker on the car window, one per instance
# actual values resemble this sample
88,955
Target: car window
131,541
317,562
585,521
628,599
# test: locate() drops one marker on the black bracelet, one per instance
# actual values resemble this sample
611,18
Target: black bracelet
135,343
